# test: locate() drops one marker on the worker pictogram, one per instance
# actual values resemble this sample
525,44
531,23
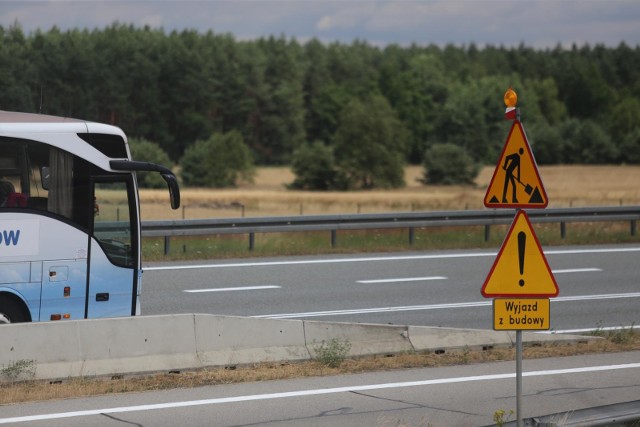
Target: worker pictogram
516,182
520,269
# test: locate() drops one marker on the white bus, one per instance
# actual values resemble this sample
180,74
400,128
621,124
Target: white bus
69,219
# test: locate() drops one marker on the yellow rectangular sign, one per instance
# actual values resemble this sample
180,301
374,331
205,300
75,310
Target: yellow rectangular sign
518,314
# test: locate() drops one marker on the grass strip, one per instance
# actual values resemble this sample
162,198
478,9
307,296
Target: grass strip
11,392
225,246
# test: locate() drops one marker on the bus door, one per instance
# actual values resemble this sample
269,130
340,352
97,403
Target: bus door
113,257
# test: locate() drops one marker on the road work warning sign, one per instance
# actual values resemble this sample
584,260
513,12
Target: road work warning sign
520,269
521,314
516,182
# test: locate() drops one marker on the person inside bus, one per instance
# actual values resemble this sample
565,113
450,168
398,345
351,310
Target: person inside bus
6,188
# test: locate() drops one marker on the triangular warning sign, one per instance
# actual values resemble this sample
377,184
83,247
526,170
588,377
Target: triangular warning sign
520,269
516,182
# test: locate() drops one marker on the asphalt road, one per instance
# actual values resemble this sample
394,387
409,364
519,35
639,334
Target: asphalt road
599,287
466,395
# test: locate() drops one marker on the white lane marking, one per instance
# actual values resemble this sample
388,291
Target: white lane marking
577,270
596,297
590,251
434,306
420,279
377,259
374,310
406,279
580,331
321,261
313,392
243,288
373,281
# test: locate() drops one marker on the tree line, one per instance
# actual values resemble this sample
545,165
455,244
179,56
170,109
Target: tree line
342,115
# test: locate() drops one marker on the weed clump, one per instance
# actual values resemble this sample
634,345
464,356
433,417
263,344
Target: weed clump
19,370
332,353
617,336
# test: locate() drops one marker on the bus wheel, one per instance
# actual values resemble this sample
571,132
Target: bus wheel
10,312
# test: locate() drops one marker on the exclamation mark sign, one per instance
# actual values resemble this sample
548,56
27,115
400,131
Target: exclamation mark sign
522,243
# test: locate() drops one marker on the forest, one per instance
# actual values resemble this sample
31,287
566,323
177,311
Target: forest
354,108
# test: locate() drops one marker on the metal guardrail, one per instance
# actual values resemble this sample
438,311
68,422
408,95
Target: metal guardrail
409,220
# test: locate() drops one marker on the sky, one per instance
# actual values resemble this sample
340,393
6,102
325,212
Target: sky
539,24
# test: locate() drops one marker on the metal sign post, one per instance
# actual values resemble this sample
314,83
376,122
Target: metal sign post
520,277
519,416
519,377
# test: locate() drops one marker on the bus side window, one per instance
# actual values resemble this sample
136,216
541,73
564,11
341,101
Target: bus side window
61,191
20,162
6,189
10,197
17,200
39,203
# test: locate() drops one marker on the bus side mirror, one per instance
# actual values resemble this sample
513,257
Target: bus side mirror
174,190
169,177
45,177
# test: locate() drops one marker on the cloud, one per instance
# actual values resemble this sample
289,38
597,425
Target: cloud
351,15
537,23
325,23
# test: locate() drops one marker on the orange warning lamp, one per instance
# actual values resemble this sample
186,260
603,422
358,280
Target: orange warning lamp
510,100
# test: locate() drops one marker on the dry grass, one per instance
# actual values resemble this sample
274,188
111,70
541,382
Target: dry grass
267,196
46,390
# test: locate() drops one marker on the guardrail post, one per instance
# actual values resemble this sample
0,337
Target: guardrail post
167,244
334,238
633,227
563,230
487,232
412,235
252,241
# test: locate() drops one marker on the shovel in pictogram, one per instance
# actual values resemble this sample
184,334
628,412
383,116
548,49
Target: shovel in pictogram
527,188
536,197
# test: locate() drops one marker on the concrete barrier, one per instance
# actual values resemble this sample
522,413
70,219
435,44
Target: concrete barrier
424,338
101,347
442,339
124,345
225,340
365,339
54,348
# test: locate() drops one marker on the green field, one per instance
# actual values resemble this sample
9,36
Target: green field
565,186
